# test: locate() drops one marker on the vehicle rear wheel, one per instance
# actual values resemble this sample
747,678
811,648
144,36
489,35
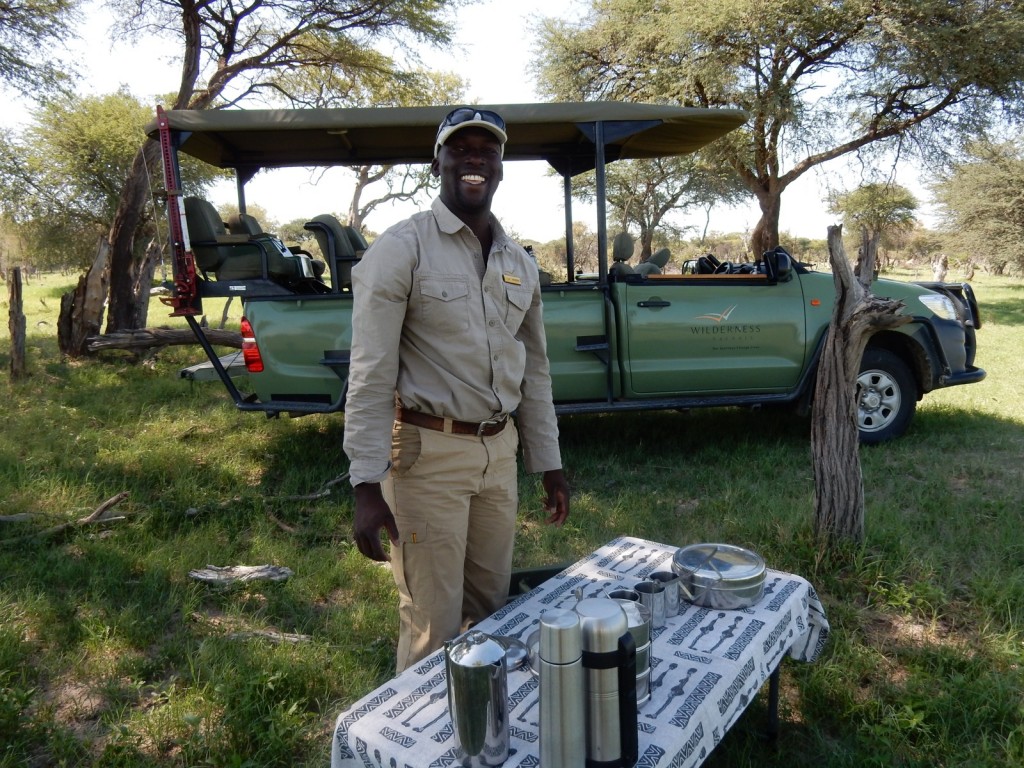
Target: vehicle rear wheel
886,396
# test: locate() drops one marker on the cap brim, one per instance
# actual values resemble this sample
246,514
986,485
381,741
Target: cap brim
446,133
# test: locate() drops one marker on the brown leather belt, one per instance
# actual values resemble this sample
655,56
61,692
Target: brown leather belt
441,424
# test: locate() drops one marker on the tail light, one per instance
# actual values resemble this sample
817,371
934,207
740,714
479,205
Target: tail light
250,350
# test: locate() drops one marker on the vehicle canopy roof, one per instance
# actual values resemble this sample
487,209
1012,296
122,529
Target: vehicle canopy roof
563,134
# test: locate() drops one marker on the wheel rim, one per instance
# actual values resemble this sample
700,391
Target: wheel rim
878,400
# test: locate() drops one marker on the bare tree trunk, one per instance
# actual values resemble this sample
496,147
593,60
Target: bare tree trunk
838,483
16,324
143,283
766,232
81,310
224,314
123,310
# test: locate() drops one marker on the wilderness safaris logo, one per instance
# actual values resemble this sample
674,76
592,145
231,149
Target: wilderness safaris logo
717,324
718,317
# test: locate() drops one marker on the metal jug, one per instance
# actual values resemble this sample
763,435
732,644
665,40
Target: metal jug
478,699
609,663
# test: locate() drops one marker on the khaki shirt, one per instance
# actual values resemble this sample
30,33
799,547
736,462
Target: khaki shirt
450,336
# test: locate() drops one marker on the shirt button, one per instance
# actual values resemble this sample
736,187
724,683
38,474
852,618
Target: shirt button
495,358
490,323
444,294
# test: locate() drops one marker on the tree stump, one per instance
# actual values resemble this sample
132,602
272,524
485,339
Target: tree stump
856,316
81,310
16,325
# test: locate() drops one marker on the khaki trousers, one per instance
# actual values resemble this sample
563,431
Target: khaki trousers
455,499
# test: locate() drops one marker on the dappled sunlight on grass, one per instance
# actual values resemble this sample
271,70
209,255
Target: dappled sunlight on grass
110,654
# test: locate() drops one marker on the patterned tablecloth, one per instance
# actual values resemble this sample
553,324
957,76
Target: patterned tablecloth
706,667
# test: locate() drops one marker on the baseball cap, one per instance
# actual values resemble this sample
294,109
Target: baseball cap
469,117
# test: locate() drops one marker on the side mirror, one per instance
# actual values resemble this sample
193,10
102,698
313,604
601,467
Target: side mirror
778,265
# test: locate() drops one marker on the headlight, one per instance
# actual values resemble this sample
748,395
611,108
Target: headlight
939,305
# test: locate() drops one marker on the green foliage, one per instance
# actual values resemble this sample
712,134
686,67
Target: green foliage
110,655
30,31
875,207
980,198
61,178
820,80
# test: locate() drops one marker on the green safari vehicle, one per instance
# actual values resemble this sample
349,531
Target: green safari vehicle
618,340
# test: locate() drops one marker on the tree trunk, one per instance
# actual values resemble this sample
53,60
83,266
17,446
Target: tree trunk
81,310
16,325
838,483
123,310
143,283
766,232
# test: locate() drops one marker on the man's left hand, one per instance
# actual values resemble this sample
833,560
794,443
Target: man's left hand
557,496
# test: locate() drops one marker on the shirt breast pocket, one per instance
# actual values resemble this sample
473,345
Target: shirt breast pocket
519,300
444,303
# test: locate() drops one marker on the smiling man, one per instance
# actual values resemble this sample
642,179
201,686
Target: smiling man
447,342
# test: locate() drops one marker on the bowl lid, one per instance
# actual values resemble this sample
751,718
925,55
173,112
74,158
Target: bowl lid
719,565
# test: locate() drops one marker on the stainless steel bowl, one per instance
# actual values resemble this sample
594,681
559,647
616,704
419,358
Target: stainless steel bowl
720,576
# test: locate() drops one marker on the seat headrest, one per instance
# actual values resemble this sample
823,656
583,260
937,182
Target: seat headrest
661,257
622,247
355,237
244,224
204,223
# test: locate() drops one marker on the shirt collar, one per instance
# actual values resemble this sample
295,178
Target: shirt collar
449,223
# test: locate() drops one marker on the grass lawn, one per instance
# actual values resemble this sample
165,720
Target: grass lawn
111,655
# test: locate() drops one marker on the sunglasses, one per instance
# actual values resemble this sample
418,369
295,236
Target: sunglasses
465,114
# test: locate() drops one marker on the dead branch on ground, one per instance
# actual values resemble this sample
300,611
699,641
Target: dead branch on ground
147,338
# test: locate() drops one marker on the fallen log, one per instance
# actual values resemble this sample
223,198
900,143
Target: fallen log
147,338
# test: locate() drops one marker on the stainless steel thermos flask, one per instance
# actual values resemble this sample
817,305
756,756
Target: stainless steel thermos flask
609,664
562,735
478,699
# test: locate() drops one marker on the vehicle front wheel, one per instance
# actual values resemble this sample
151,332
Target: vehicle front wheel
886,396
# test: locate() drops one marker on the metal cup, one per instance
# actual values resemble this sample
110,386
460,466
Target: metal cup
622,593
671,582
652,594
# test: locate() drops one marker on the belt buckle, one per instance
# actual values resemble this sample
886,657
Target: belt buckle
488,423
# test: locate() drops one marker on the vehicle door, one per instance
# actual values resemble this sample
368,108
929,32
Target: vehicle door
715,334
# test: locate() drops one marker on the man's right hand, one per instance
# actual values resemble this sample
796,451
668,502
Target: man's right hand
372,514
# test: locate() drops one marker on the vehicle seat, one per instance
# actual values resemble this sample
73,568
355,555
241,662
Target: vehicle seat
236,256
244,224
655,263
336,245
622,251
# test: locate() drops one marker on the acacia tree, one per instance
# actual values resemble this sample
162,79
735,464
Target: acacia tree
819,80
980,198
406,182
645,194
60,177
878,211
232,52
30,31
334,86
